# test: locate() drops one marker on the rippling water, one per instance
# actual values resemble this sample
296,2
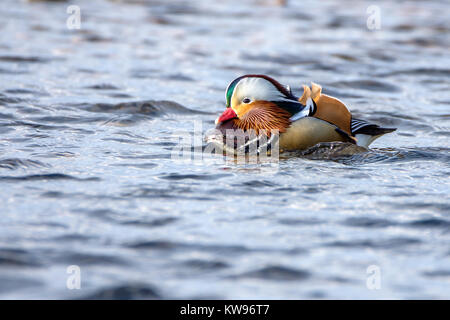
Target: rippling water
89,118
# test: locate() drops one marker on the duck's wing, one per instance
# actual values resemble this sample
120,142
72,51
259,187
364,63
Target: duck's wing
334,111
366,132
327,108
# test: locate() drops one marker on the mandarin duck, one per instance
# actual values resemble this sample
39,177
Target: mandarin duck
260,103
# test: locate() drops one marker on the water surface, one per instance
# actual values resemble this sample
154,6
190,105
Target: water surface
89,118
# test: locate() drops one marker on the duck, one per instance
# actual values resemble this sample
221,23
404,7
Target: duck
260,103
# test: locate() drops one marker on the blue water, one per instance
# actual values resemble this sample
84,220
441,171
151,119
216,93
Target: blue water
89,119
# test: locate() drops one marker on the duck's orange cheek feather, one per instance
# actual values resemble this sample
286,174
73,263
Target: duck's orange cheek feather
265,115
243,108
258,115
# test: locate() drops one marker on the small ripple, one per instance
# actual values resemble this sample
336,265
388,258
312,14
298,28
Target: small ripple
144,192
24,59
28,109
164,245
369,85
5,116
149,107
419,72
119,95
340,93
97,38
50,176
213,248
12,72
19,123
125,292
257,184
299,222
17,258
431,223
437,274
64,119
103,86
145,156
22,91
160,222
365,222
155,245
340,279
144,73
379,244
325,67
350,154
73,237
205,265
433,207
146,165
276,273
178,77
161,20
284,59
201,177
441,133
53,155
15,163
125,120
400,155
120,140
84,259
8,99
346,57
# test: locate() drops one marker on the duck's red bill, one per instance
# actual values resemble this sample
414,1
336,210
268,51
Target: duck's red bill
227,115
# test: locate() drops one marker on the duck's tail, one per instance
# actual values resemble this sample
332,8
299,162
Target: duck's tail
366,132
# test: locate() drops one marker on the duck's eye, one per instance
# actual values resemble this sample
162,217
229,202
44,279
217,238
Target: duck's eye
246,100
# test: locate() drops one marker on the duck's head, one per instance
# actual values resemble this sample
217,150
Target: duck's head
258,99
